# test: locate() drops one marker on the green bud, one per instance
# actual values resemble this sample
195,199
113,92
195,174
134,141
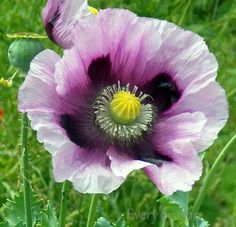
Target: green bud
22,51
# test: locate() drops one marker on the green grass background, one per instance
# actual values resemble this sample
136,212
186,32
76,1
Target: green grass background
215,20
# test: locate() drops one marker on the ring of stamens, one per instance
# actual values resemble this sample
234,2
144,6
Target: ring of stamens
121,115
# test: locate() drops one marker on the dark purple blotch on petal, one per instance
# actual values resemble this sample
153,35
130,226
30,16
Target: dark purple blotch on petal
70,124
146,151
99,72
156,158
82,131
163,90
51,23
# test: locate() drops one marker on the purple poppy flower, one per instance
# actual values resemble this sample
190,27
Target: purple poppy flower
131,93
60,16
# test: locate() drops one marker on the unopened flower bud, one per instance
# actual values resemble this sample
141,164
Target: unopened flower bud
22,51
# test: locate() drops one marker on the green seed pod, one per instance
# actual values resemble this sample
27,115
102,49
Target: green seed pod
22,51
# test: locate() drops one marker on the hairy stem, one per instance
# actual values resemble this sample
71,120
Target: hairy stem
25,170
63,206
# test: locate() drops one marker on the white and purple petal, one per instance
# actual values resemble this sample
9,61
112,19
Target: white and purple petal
122,164
38,97
180,174
174,137
130,54
185,58
209,99
89,171
60,16
183,55
40,76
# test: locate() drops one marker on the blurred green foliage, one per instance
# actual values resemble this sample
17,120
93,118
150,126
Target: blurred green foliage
215,20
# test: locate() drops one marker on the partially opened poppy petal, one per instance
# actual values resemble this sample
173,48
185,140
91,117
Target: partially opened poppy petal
59,18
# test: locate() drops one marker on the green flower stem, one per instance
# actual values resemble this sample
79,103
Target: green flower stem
232,93
92,211
203,190
162,221
63,206
25,170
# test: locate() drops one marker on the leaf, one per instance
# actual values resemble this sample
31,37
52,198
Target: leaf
102,222
16,214
176,207
200,222
48,216
121,222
